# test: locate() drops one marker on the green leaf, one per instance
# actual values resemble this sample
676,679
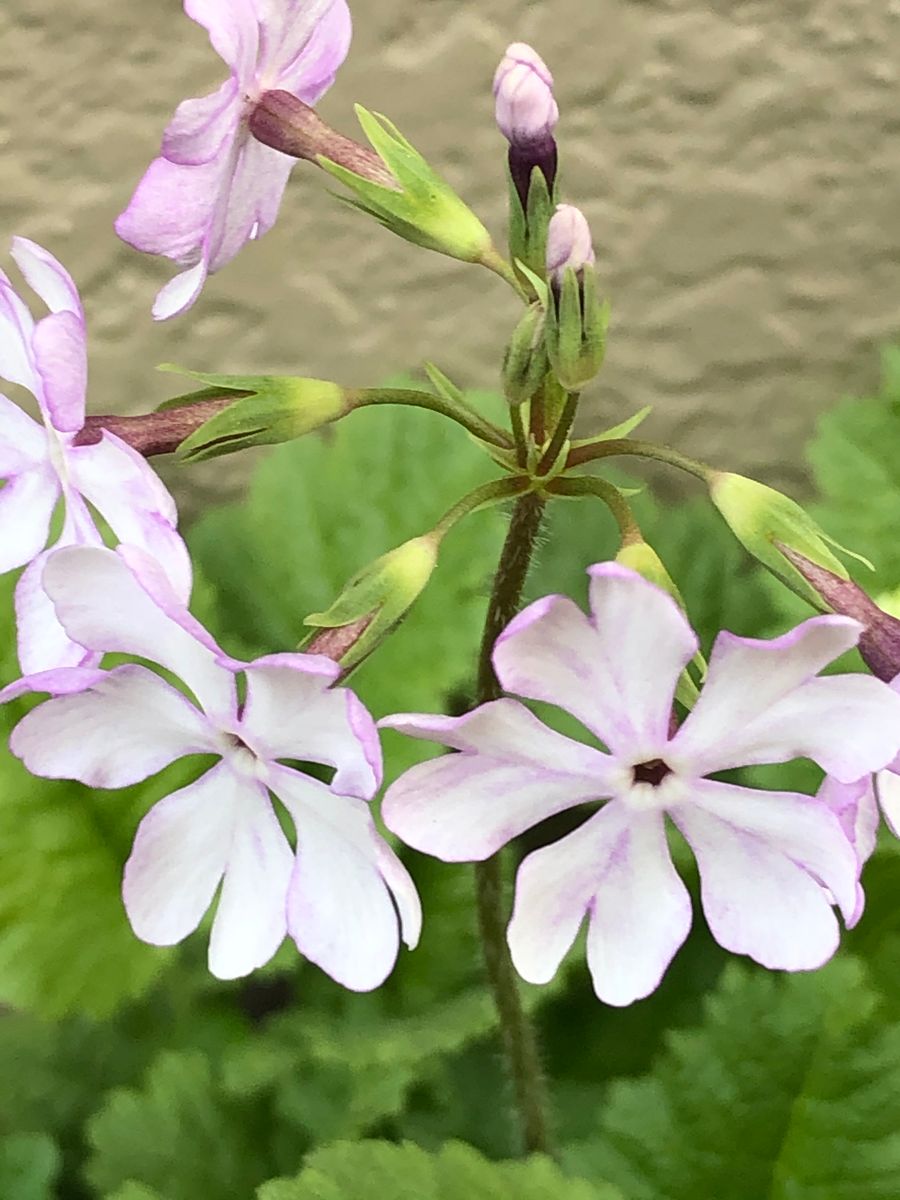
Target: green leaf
29,1165
789,1090
180,1133
318,512
348,1171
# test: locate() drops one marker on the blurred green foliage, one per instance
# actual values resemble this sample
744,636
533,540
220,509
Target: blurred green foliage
127,1073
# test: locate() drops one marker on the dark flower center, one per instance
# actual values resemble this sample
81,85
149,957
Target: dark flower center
653,772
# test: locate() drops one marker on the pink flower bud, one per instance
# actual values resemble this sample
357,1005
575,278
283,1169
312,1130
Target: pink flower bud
526,110
568,243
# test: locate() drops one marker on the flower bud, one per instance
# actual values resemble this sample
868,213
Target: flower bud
767,523
374,602
569,244
266,409
879,645
576,321
525,364
526,109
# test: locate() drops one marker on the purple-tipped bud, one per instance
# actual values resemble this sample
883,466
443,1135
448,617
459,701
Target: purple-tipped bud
527,114
879,645
568,243
526,108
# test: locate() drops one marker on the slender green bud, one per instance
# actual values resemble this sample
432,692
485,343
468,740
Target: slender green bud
764,520
374,602
525,364
267,409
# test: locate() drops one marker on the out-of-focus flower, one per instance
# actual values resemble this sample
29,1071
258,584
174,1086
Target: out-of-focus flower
336,895
42,464
771,863
215,187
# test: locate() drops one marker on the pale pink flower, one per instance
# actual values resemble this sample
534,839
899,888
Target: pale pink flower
214,187
338,895
41,466
525,107
770,862
568,243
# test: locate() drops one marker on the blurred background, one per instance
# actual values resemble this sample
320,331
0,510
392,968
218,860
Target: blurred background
736,158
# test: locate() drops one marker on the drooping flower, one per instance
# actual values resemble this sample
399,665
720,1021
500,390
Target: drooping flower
770,862
214,187
336,894
42,465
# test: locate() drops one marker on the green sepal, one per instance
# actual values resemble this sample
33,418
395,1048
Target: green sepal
267,409
525,363
759,517
379,596
423,209
576,330
528,229
622,430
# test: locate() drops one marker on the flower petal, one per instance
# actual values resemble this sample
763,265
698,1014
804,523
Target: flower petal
290,712
60,682
747,677
23,443
27,502
340,908
887,788
233,30
131,497
180,293
47,276
856,808
108,607
251,919
171,209
765,862
616,672
200,128
122,729
309,71
513,772
60,353
617,869
249,198
179,855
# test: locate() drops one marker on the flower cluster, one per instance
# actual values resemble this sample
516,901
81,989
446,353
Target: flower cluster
293,850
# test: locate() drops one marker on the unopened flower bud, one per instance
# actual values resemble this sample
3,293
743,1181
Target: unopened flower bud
569,243
527,114
767,523
266,410
576,320
374,602
879,645
525,364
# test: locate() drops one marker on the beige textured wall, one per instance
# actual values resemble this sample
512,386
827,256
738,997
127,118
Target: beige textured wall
739,161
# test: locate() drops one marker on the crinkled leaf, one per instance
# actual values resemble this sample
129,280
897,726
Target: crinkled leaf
348,1171
789,1090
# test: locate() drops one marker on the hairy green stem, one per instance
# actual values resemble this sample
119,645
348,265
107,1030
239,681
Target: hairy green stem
518,1034
481,497
483,429
618,446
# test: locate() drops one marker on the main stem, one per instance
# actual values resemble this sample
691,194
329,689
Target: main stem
518,1033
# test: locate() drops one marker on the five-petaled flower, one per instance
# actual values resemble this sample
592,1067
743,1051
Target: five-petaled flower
771,863
42,465
339,894
214,187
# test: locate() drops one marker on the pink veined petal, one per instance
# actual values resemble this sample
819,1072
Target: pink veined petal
179,856
122,729
60,354
769,864
617,869
848,724
340,910
251,919
131,497
43,644
887,787
103,605
310,72
856,808
233,31
290,712
403,890
200,128
250,197
172,208
47,276
747,677
16,327
61,682
23,443
616,672
27,502
513,772
180,293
